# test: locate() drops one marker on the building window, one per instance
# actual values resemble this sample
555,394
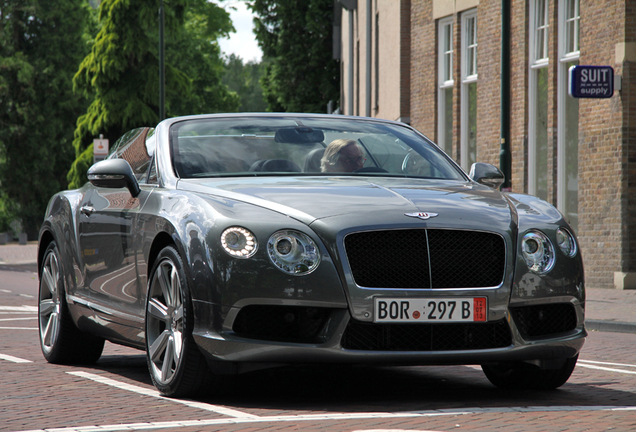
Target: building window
446,83
568,113
538,100
469,90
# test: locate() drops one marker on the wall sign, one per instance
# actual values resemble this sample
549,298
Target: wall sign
591,82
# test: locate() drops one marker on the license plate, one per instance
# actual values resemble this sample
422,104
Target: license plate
457,309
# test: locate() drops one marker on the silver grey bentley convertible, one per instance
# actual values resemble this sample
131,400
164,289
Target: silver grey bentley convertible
221,244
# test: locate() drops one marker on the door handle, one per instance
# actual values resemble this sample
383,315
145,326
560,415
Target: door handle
87,210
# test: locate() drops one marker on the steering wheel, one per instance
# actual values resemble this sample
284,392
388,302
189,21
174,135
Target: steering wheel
415,164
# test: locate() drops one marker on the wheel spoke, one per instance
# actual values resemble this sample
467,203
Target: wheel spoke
175,288
178,314
164,283
46,307
158,347
158,310
168,357
178,345
50,332
49,281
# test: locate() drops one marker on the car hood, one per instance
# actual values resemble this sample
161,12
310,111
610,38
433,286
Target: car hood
363,201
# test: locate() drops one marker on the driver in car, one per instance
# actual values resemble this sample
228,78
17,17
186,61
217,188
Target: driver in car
342,155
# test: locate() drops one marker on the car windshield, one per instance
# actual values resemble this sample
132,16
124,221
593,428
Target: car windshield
252,146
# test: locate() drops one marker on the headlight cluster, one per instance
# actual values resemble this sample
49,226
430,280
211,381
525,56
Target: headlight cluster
566,242
239,242
293,252
539,253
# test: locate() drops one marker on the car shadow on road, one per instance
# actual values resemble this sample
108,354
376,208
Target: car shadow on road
331,388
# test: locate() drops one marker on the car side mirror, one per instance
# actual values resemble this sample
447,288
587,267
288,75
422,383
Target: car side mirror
114,174
486,174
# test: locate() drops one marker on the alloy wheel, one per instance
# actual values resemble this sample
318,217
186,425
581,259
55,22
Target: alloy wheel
165,322
50,305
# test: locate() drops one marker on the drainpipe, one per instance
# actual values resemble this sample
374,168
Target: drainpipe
505,157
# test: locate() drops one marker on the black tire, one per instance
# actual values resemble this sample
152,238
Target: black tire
518,375
176,365
60,340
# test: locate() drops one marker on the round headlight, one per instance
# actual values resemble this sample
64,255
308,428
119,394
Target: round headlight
239,242
566,242
538,252
293,252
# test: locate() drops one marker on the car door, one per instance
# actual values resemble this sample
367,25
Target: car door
109,222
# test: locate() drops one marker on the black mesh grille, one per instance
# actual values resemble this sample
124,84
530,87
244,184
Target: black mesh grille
281,323
544,320
426,337
400,258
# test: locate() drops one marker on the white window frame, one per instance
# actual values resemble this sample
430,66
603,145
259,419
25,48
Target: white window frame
443,82
466,80
562,83
536,63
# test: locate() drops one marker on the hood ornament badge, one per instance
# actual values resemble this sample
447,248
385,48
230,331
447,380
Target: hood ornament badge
421,215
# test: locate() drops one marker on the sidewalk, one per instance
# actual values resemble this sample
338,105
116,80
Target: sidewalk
606,309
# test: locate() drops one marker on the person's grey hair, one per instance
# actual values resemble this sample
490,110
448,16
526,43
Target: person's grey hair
330,158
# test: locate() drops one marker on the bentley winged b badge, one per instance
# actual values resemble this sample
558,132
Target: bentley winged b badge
421,215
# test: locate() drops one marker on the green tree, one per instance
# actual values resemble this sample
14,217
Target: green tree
121,73
41,45
244,79
296,39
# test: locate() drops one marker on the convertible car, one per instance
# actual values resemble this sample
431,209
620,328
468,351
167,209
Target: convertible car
221,244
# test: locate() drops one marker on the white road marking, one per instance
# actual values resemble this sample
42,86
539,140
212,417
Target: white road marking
326,417
13,359
155,393
392,430
589,366
18,319
5,291
18,328
607,364
23,308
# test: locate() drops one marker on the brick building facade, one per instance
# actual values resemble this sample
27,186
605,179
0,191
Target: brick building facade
578,154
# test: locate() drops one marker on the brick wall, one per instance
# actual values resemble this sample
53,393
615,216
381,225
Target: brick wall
607,128
423,68
602,187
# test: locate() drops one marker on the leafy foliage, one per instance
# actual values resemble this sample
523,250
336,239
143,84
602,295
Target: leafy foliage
244,79
296,39
121,73
40,46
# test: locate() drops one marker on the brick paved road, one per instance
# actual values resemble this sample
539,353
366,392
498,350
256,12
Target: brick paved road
116,393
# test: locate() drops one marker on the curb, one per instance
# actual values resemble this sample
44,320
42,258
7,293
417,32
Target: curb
610,326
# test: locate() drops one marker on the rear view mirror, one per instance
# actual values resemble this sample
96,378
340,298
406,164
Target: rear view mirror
113,174
486,174
299,135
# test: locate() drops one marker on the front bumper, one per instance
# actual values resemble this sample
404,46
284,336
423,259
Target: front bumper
330,340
